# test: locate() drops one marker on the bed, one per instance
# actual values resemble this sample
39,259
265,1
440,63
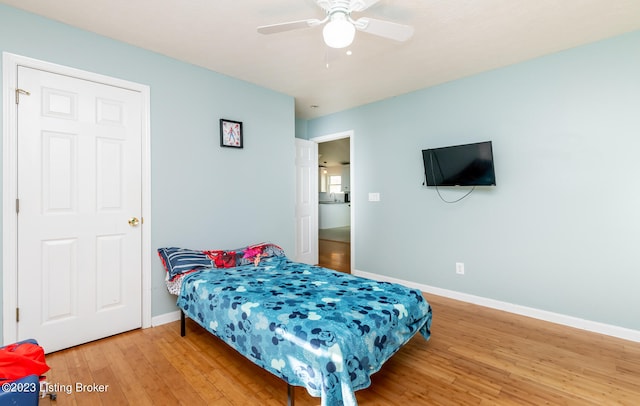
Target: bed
313,327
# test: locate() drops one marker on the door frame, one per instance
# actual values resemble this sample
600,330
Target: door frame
352,197
10,63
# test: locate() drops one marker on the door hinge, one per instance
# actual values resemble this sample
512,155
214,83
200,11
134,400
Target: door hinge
19,92
17,206
17,314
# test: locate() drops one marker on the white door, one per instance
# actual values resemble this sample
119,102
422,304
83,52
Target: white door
306,201
79,184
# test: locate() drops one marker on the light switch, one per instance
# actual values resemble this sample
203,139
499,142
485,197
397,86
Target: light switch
374,197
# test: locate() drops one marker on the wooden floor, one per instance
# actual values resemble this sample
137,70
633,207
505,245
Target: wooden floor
476,356
335,255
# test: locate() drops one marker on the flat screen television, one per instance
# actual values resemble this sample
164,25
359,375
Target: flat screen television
460,165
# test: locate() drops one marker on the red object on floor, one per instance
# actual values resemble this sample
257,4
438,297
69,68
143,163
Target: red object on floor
21,359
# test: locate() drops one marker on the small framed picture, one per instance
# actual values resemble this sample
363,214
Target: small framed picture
230,133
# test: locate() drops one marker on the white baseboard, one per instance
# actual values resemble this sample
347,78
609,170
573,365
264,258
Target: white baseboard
570,321
165,318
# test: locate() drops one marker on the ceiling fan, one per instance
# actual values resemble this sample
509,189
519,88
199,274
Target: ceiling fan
340,28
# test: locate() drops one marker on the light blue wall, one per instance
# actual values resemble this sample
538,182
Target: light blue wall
203,196
301,128
560,232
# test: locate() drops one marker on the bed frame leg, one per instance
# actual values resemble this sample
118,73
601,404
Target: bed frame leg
290,396
183,331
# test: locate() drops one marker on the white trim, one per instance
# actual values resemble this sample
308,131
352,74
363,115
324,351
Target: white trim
145,162
352,198
9,193
10,63
569,321
165,318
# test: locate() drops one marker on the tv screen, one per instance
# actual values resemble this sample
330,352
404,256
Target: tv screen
460,165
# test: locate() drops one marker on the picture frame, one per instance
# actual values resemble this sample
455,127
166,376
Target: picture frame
231,133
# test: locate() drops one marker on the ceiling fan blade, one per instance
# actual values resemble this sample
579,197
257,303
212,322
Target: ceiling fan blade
292,25
386,29
361,5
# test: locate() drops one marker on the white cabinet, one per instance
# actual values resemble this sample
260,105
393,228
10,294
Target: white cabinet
333,215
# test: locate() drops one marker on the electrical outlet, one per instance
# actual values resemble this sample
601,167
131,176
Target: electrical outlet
460,268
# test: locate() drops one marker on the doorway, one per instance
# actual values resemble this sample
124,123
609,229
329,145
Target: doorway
335,200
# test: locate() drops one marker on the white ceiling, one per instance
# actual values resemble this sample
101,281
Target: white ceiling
334,153
453,39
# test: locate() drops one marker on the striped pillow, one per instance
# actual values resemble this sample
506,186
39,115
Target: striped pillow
179,261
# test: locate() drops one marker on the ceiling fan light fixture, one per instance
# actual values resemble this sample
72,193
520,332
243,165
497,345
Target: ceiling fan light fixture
339,32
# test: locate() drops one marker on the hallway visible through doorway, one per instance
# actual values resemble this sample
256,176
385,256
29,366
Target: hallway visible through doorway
335,186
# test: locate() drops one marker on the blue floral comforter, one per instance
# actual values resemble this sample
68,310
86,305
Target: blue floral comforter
313,327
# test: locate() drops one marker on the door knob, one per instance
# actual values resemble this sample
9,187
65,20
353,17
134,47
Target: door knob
133,221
